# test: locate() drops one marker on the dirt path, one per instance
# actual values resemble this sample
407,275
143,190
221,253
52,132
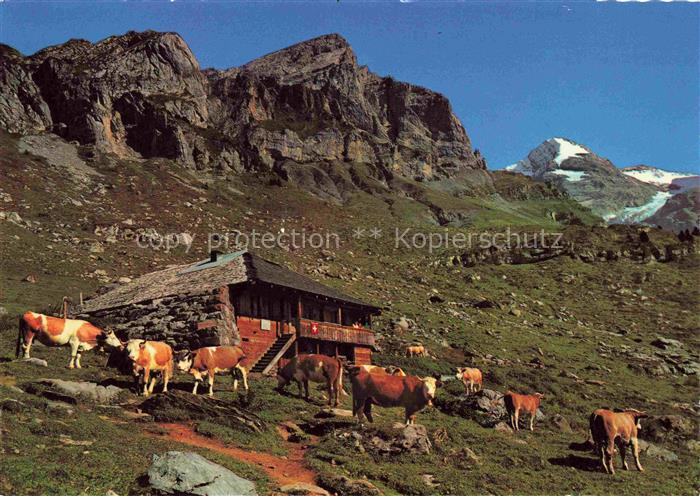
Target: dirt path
282,470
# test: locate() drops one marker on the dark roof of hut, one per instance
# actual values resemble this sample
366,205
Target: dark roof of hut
206,275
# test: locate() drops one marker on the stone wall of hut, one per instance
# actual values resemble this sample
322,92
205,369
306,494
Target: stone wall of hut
187,321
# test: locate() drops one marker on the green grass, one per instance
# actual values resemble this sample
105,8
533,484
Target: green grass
569,309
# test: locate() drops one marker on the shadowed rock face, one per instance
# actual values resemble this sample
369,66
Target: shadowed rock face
305,112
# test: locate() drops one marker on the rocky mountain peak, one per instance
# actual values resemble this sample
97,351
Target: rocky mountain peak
304,58
308,113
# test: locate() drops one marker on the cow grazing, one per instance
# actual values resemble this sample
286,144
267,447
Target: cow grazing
607,427
80,335
316,368
378,369
151,356
471,378
526,402
212,359
410,392
416,350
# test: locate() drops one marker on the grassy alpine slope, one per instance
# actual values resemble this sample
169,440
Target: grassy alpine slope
579,332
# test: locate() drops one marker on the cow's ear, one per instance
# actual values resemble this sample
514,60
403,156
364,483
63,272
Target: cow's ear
142,345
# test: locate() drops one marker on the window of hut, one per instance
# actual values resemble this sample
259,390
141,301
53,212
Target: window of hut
330,314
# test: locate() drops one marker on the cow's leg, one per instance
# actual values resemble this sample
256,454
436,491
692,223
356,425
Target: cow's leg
357,407
301,388
77,359
166,378
330,390
516,419
601,452
211,383
532,420
74,345
244,374
27,344
306,389
623,455
197,379
154,379
609,452
234,374
367,410
635,452
146,377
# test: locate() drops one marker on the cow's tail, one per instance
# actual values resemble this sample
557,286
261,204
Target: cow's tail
21,332
339,380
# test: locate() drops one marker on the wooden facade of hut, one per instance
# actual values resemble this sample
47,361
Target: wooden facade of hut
239,298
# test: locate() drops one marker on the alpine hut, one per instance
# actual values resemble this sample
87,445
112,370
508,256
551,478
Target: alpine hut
239,298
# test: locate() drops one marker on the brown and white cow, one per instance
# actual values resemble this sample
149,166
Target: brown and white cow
416,350
410,392
151,356
80,335
607,427
212,359
316,368
471,378
378,369
527,402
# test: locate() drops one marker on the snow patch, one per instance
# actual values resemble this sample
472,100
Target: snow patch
570,175
520,167
567,150
657,177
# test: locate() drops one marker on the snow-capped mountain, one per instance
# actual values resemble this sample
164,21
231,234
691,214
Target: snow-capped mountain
592,180
652,175
638,194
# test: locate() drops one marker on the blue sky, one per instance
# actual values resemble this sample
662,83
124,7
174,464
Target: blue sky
621,78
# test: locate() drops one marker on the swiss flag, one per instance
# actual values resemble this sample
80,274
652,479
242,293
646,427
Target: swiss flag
314,328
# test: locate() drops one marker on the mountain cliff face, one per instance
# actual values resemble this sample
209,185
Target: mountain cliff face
592,180
309,112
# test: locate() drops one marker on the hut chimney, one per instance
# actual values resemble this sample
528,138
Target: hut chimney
214,255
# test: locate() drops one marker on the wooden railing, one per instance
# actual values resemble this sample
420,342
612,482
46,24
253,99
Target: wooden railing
335,332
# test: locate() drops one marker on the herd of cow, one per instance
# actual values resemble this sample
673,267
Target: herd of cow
371,384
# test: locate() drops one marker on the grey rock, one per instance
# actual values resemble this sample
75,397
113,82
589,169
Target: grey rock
187,473
36,361
561,423
654,451
84,391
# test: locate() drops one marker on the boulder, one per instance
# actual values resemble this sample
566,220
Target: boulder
399,439
560,422
36,361
654,451
666,343
186,473
665,428
75,392
341,484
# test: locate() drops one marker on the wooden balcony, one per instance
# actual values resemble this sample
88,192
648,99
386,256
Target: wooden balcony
335,332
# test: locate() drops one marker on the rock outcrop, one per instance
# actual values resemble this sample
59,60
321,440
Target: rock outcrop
308,113
186,473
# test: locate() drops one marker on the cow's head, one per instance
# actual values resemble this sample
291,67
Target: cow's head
396,371
637,416
110,339
134,347
430,385
460,373
184,361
